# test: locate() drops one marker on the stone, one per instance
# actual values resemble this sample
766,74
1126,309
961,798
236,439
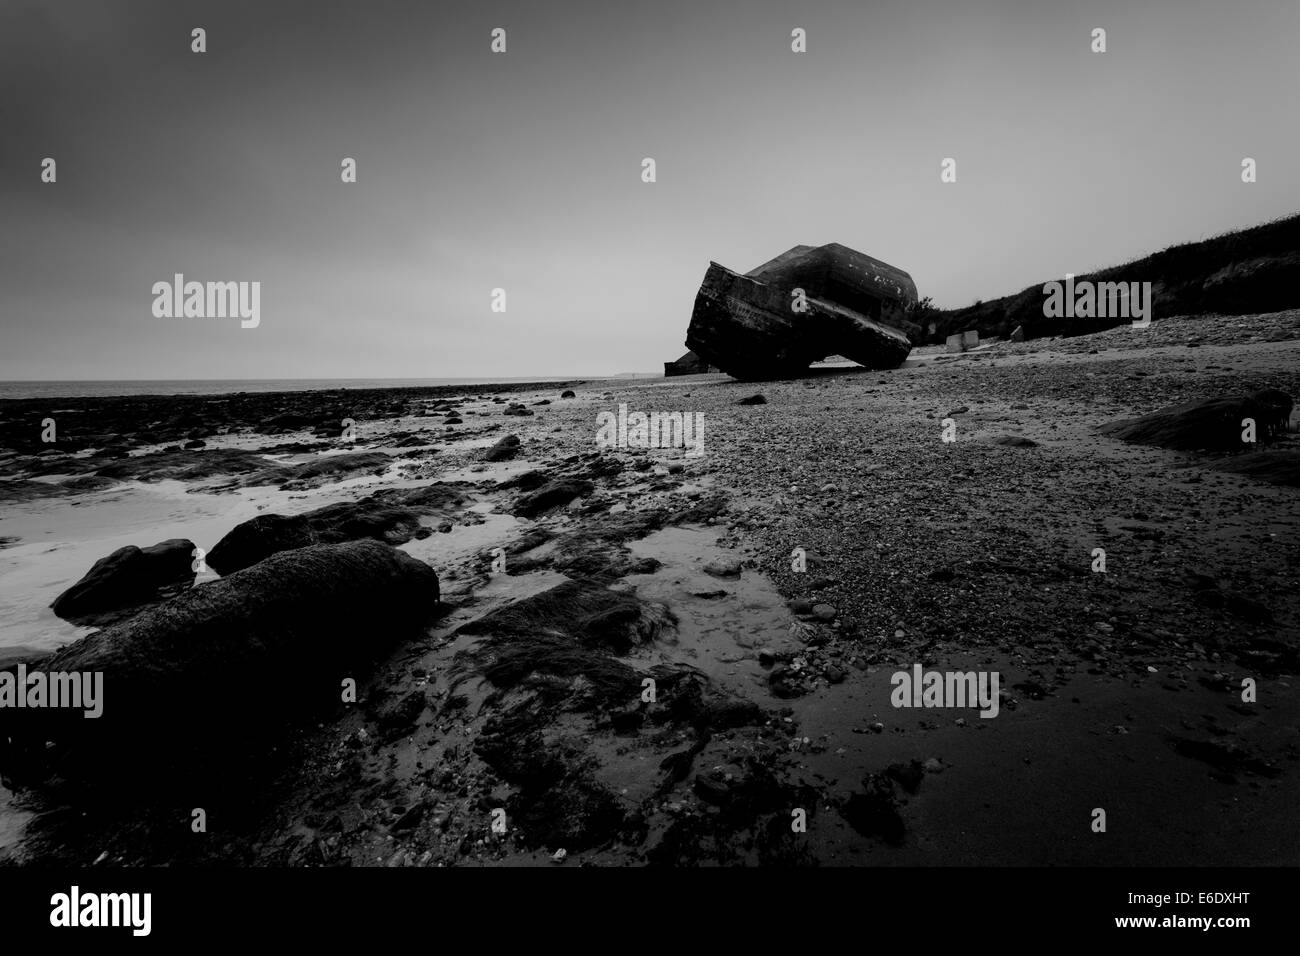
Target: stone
257,538
723,568
554,494
503,450
1018,335
129,576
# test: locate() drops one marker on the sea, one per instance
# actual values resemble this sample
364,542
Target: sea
109,388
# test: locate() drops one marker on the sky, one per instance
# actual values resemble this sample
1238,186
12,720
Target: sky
522,170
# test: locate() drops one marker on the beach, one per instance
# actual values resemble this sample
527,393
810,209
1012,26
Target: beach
769,583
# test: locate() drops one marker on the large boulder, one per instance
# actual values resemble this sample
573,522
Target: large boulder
127,577
223,666
758,325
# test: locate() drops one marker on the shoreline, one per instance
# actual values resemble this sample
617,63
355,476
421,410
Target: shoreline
971,556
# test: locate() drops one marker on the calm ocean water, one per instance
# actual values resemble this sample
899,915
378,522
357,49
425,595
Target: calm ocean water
103,389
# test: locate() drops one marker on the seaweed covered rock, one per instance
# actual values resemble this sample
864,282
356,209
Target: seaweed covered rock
221,668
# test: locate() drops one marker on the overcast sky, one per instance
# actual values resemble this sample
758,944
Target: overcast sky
523,170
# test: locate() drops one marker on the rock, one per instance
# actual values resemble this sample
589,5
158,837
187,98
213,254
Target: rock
959,410
195,444
785,682
753,400
326,469
258,538
854,306
713,788
1247,608
1019,334
801,606
559,856
908,775
185,465
1211,424
514,408
833,674
391,516
824,612
127,577
875,812
568,393
410,818
708,593
723,568
554,494
397,718
226,663
1015,441
933,765
503,450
